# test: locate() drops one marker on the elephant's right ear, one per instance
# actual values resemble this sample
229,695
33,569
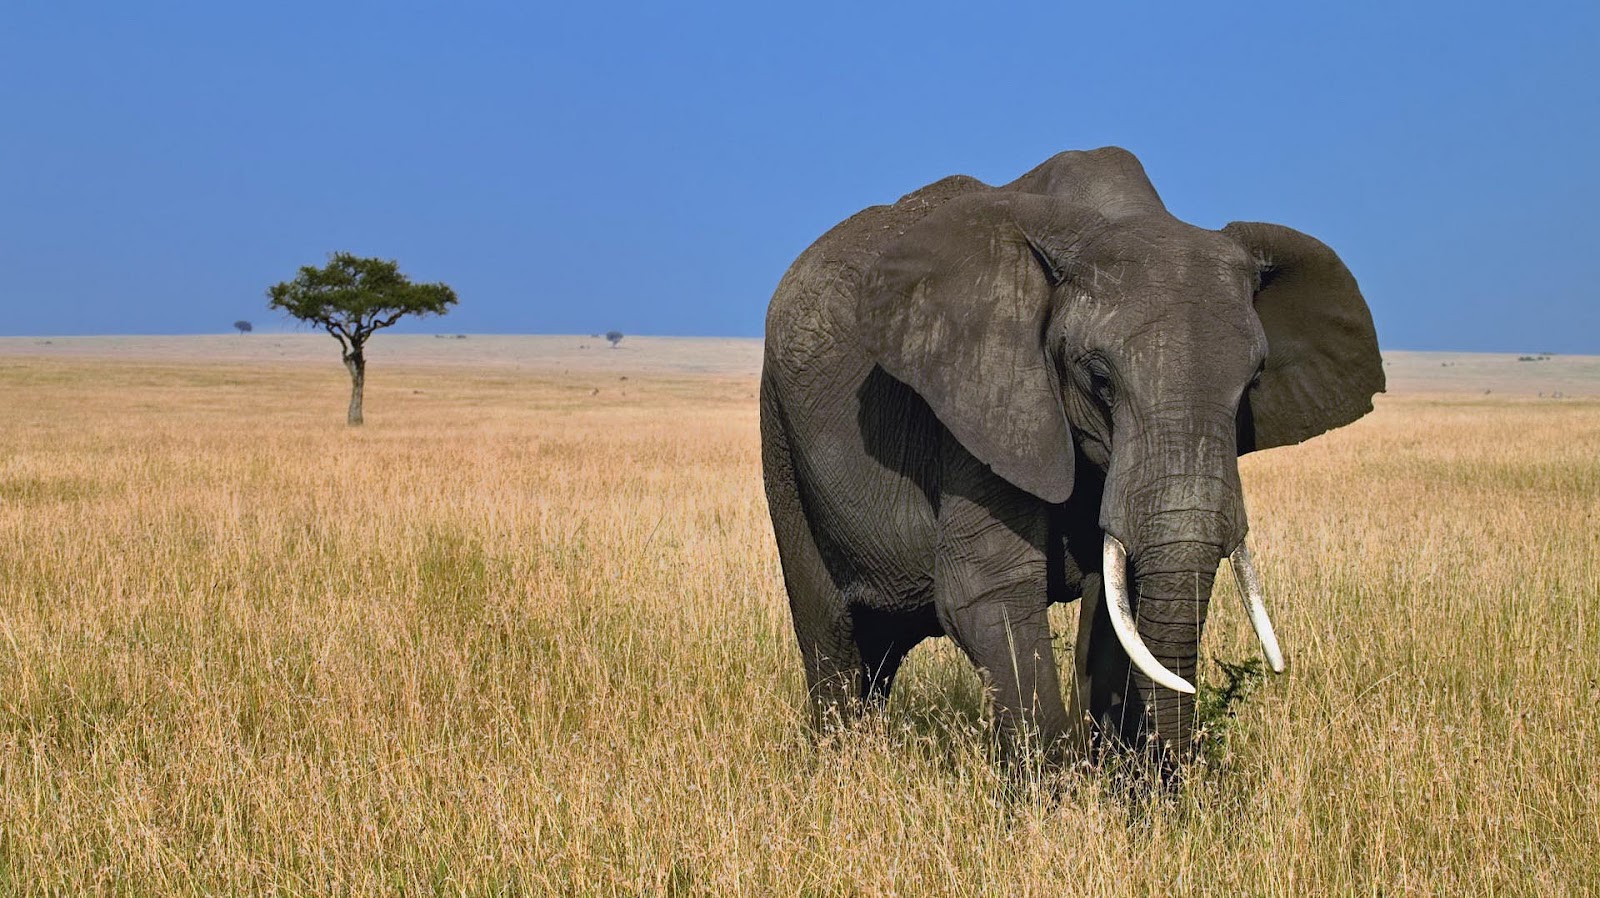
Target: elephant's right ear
957,308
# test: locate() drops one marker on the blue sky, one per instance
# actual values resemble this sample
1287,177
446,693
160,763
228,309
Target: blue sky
655,169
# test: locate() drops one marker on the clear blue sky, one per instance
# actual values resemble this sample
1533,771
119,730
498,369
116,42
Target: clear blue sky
655,168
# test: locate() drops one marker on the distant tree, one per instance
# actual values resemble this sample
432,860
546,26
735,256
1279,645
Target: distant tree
242,326
615,337
353,297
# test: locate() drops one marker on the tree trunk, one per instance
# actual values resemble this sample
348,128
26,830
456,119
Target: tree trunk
356,362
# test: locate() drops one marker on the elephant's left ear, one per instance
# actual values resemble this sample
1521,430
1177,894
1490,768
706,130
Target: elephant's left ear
1323,366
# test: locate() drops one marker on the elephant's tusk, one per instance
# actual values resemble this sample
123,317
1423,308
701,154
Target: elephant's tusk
1114,570
1249,581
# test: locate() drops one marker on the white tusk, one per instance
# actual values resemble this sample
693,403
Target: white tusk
1249,581
1114,572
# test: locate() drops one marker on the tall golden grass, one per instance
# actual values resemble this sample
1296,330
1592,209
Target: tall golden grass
519,637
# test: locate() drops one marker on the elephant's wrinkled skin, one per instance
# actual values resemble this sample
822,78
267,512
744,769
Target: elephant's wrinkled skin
965,392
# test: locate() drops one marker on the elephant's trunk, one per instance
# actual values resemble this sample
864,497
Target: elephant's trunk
1173,499
1172,595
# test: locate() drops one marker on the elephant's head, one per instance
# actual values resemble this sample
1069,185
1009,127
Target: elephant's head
1068,319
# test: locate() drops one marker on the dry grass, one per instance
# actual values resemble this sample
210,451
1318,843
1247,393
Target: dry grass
518,638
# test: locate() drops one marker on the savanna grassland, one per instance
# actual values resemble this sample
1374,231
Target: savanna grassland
524,633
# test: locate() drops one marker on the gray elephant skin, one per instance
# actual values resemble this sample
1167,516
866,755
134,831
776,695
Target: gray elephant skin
981,400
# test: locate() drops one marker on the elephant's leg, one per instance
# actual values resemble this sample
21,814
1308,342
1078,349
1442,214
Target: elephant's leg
1008,639
823,627
990,592
835,677
822,622
1102,672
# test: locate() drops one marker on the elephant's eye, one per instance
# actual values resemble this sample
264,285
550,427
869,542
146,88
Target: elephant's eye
1099,374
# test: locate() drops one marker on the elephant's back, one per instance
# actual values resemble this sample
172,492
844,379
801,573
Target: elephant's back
814,304
814,358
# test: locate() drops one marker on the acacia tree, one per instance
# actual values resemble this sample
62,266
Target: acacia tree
353,297
243,327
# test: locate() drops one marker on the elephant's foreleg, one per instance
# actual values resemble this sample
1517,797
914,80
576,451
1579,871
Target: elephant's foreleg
990,591
1103,680
1008,639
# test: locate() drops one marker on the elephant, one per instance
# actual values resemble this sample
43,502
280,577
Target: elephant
979,401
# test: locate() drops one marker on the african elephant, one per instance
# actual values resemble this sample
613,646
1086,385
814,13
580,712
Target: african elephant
982,400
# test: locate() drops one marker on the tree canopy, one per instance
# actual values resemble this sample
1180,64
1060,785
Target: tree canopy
352,296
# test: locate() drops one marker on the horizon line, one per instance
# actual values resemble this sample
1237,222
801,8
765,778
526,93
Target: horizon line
308,332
